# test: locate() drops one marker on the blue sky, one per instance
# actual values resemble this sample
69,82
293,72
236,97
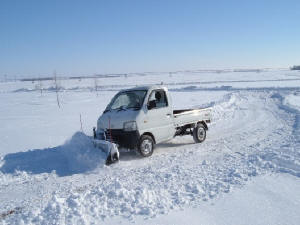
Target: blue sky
87,37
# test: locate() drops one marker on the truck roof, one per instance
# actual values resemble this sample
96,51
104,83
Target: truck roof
150,87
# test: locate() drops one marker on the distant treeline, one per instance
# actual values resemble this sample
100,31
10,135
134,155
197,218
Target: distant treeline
74,77
295,68
152,73
37,79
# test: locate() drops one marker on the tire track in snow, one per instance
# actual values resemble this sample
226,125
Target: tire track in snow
286,158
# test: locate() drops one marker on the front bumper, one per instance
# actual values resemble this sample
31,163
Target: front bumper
124,139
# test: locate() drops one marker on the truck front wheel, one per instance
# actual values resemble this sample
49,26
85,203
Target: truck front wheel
199,133
146,145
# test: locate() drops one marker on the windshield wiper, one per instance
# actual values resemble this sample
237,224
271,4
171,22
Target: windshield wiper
124,108
134,107
121,108
117,109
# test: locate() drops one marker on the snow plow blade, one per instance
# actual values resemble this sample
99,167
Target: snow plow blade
110,149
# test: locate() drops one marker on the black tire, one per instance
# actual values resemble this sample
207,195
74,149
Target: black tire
199,133
112,159
146,145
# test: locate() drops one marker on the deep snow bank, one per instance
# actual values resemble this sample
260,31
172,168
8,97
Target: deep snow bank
78,155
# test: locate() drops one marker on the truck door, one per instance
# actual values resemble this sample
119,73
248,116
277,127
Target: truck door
160,116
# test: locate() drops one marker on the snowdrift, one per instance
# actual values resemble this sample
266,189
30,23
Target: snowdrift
78,155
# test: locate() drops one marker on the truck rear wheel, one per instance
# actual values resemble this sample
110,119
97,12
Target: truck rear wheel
146,146
199,133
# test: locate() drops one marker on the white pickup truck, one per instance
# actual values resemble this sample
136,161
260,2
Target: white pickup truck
141,117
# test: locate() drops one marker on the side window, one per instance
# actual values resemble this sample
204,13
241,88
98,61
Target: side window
159,97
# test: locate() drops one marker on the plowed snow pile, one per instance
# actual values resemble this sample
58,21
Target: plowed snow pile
254,136
77,155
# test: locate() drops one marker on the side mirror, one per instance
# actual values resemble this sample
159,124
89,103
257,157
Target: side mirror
151,105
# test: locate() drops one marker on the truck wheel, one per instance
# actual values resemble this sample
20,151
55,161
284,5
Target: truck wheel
146,145
199,133
112,159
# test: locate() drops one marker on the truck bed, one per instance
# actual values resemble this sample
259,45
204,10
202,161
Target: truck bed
188,116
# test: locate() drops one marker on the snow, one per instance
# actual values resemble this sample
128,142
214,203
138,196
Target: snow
50,172
265,200
77,155
294,100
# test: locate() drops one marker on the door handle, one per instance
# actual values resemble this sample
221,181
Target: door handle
168,114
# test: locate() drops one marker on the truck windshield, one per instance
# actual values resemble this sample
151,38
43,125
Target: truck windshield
127,99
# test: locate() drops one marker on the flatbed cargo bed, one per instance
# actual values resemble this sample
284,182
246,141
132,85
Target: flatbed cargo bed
189,116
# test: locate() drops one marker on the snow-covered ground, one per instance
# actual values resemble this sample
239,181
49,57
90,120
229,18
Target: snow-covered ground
264,200
246,172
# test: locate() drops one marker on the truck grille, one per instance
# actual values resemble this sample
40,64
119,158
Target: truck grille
127,139
109,135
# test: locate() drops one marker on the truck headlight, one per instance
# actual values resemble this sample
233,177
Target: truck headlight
129,126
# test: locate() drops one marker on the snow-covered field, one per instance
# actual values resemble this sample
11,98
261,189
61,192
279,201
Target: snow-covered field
246,172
